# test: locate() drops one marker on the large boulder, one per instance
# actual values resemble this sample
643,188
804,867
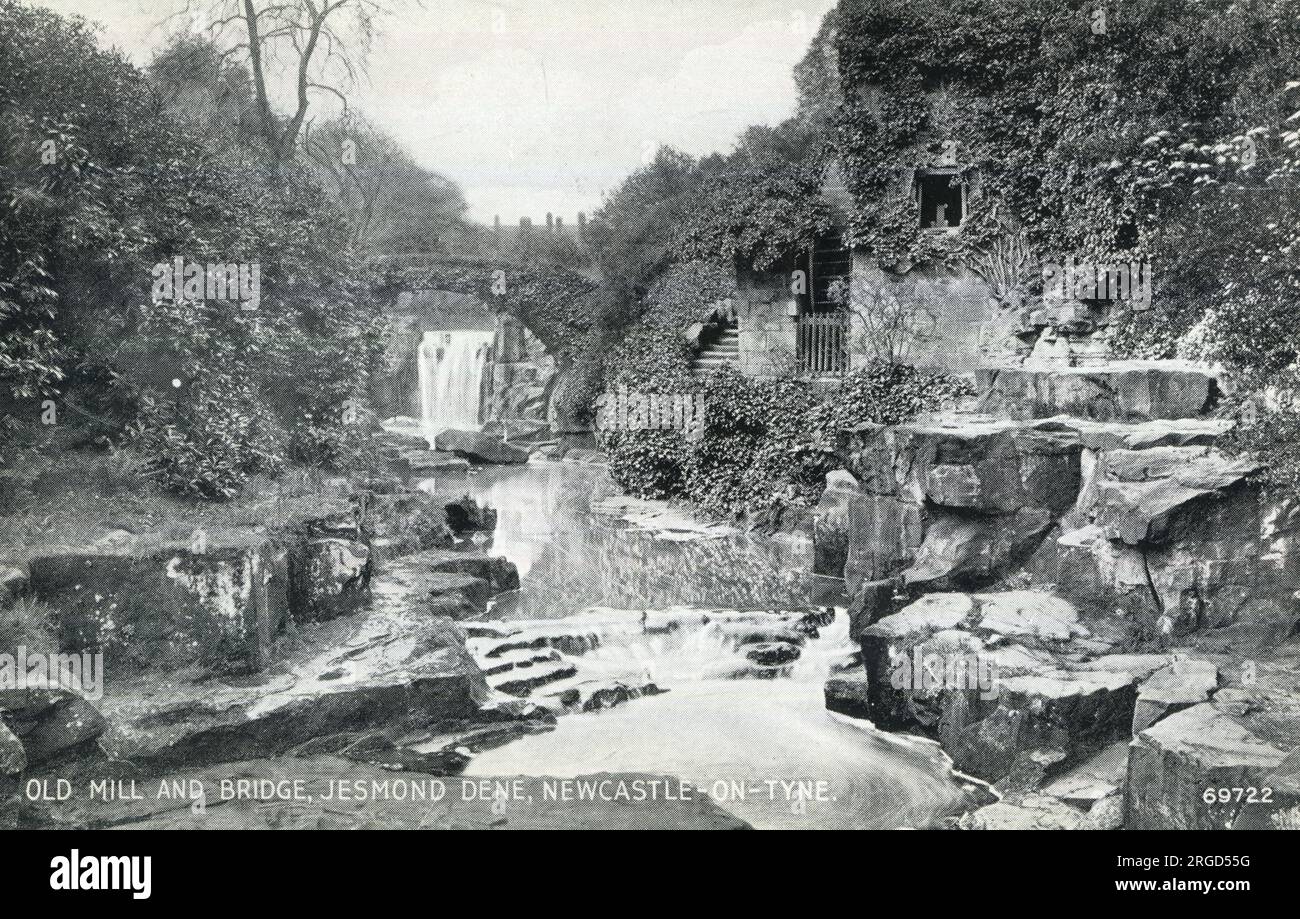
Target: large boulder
972,463
831,524
847,695
1141,492
1045,722
1183,533
498,573
329,578
216,601
1182,684
953,501
1178,766
1120,391
480,447
468,516
407,521
13,581
961,551
1008,682
52,723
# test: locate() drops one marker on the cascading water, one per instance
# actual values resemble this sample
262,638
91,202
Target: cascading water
451,369
659,609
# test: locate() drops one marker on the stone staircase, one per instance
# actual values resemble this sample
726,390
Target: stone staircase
722,351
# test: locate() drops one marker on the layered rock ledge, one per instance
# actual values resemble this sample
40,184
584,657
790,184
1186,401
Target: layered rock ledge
1153,661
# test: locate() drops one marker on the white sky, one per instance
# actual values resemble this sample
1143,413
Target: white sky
543,105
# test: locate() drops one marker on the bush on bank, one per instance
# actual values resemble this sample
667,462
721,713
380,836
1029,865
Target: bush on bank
767,444
104,190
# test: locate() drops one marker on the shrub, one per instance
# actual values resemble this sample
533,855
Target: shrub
686,293
208,446
209,391
651,361
887,394
646,464
29,623
582,383
768,444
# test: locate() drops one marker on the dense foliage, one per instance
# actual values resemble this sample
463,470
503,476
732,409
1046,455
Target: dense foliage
1049,108
104,189
763,203
767,444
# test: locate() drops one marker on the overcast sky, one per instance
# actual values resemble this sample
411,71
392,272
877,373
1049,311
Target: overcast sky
542,105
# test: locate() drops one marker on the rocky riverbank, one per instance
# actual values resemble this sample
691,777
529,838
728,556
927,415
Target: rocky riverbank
1085,601
338,647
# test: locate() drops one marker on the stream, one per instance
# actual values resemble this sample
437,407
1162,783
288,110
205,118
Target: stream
656,604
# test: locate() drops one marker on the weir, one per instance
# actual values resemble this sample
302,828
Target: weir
451,374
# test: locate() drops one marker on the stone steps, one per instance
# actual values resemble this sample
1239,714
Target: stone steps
723,351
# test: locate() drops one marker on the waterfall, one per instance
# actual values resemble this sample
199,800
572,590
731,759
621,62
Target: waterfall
451,376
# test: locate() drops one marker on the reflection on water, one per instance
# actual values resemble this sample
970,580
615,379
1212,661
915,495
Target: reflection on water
737,739
570,559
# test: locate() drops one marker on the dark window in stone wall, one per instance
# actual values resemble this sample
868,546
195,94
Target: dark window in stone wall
941,196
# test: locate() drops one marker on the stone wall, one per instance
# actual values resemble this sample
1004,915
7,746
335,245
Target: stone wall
959,322
959,325
767,329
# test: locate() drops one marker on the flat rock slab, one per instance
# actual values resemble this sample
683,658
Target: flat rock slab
664,520
396,663
1184,682
1119,391
328,795
1018,614
927,615
1144,435
1036,812
1029,613
1094,779
427,461
499,573
1173,763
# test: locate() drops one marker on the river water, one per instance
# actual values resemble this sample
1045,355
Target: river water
737,739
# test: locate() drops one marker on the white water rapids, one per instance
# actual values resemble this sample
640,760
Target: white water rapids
729,737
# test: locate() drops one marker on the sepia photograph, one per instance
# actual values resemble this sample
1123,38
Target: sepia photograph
651,415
